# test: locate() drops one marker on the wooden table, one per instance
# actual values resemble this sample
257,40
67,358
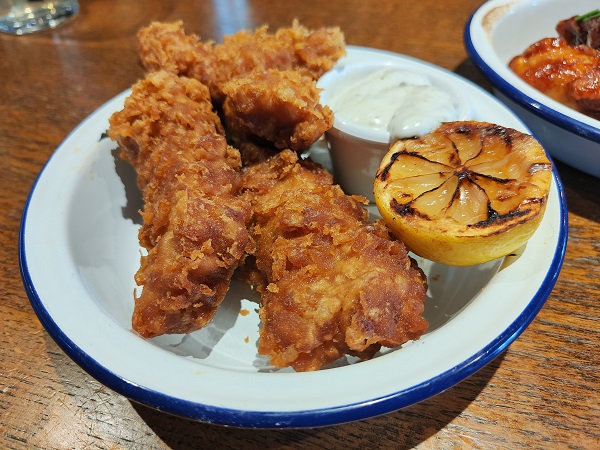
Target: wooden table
542,392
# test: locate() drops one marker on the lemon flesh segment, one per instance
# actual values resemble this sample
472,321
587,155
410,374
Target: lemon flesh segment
464,194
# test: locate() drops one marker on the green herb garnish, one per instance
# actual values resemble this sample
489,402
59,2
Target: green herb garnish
591,15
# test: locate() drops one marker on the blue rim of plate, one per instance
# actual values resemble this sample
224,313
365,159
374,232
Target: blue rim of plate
556,118
302,418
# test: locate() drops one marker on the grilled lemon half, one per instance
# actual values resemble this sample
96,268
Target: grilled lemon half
464,194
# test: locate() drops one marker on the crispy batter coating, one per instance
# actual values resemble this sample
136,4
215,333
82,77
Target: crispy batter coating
194,223
332,283
568,74
281,107
309,52
166,46
266,80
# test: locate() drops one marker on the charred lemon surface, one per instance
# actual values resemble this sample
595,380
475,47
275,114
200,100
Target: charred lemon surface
466,193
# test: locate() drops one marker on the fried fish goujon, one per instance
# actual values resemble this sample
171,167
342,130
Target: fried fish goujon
332,283
281,107
167,46
266,81
194,223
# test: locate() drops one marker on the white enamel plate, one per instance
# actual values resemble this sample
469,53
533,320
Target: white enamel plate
79,252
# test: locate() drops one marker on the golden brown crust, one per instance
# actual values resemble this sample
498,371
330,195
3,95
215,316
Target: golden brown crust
194,222
333,283
166,46
281,107
266,79
310,52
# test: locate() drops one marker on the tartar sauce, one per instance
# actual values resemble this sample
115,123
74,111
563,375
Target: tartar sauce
404,103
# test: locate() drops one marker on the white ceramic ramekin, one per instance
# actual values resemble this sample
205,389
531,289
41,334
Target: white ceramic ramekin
357,150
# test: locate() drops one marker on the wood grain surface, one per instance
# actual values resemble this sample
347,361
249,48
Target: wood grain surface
542,392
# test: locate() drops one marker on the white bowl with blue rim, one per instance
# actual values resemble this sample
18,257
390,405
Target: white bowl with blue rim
502,29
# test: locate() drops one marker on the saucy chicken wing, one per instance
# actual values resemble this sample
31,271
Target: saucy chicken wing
568,74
